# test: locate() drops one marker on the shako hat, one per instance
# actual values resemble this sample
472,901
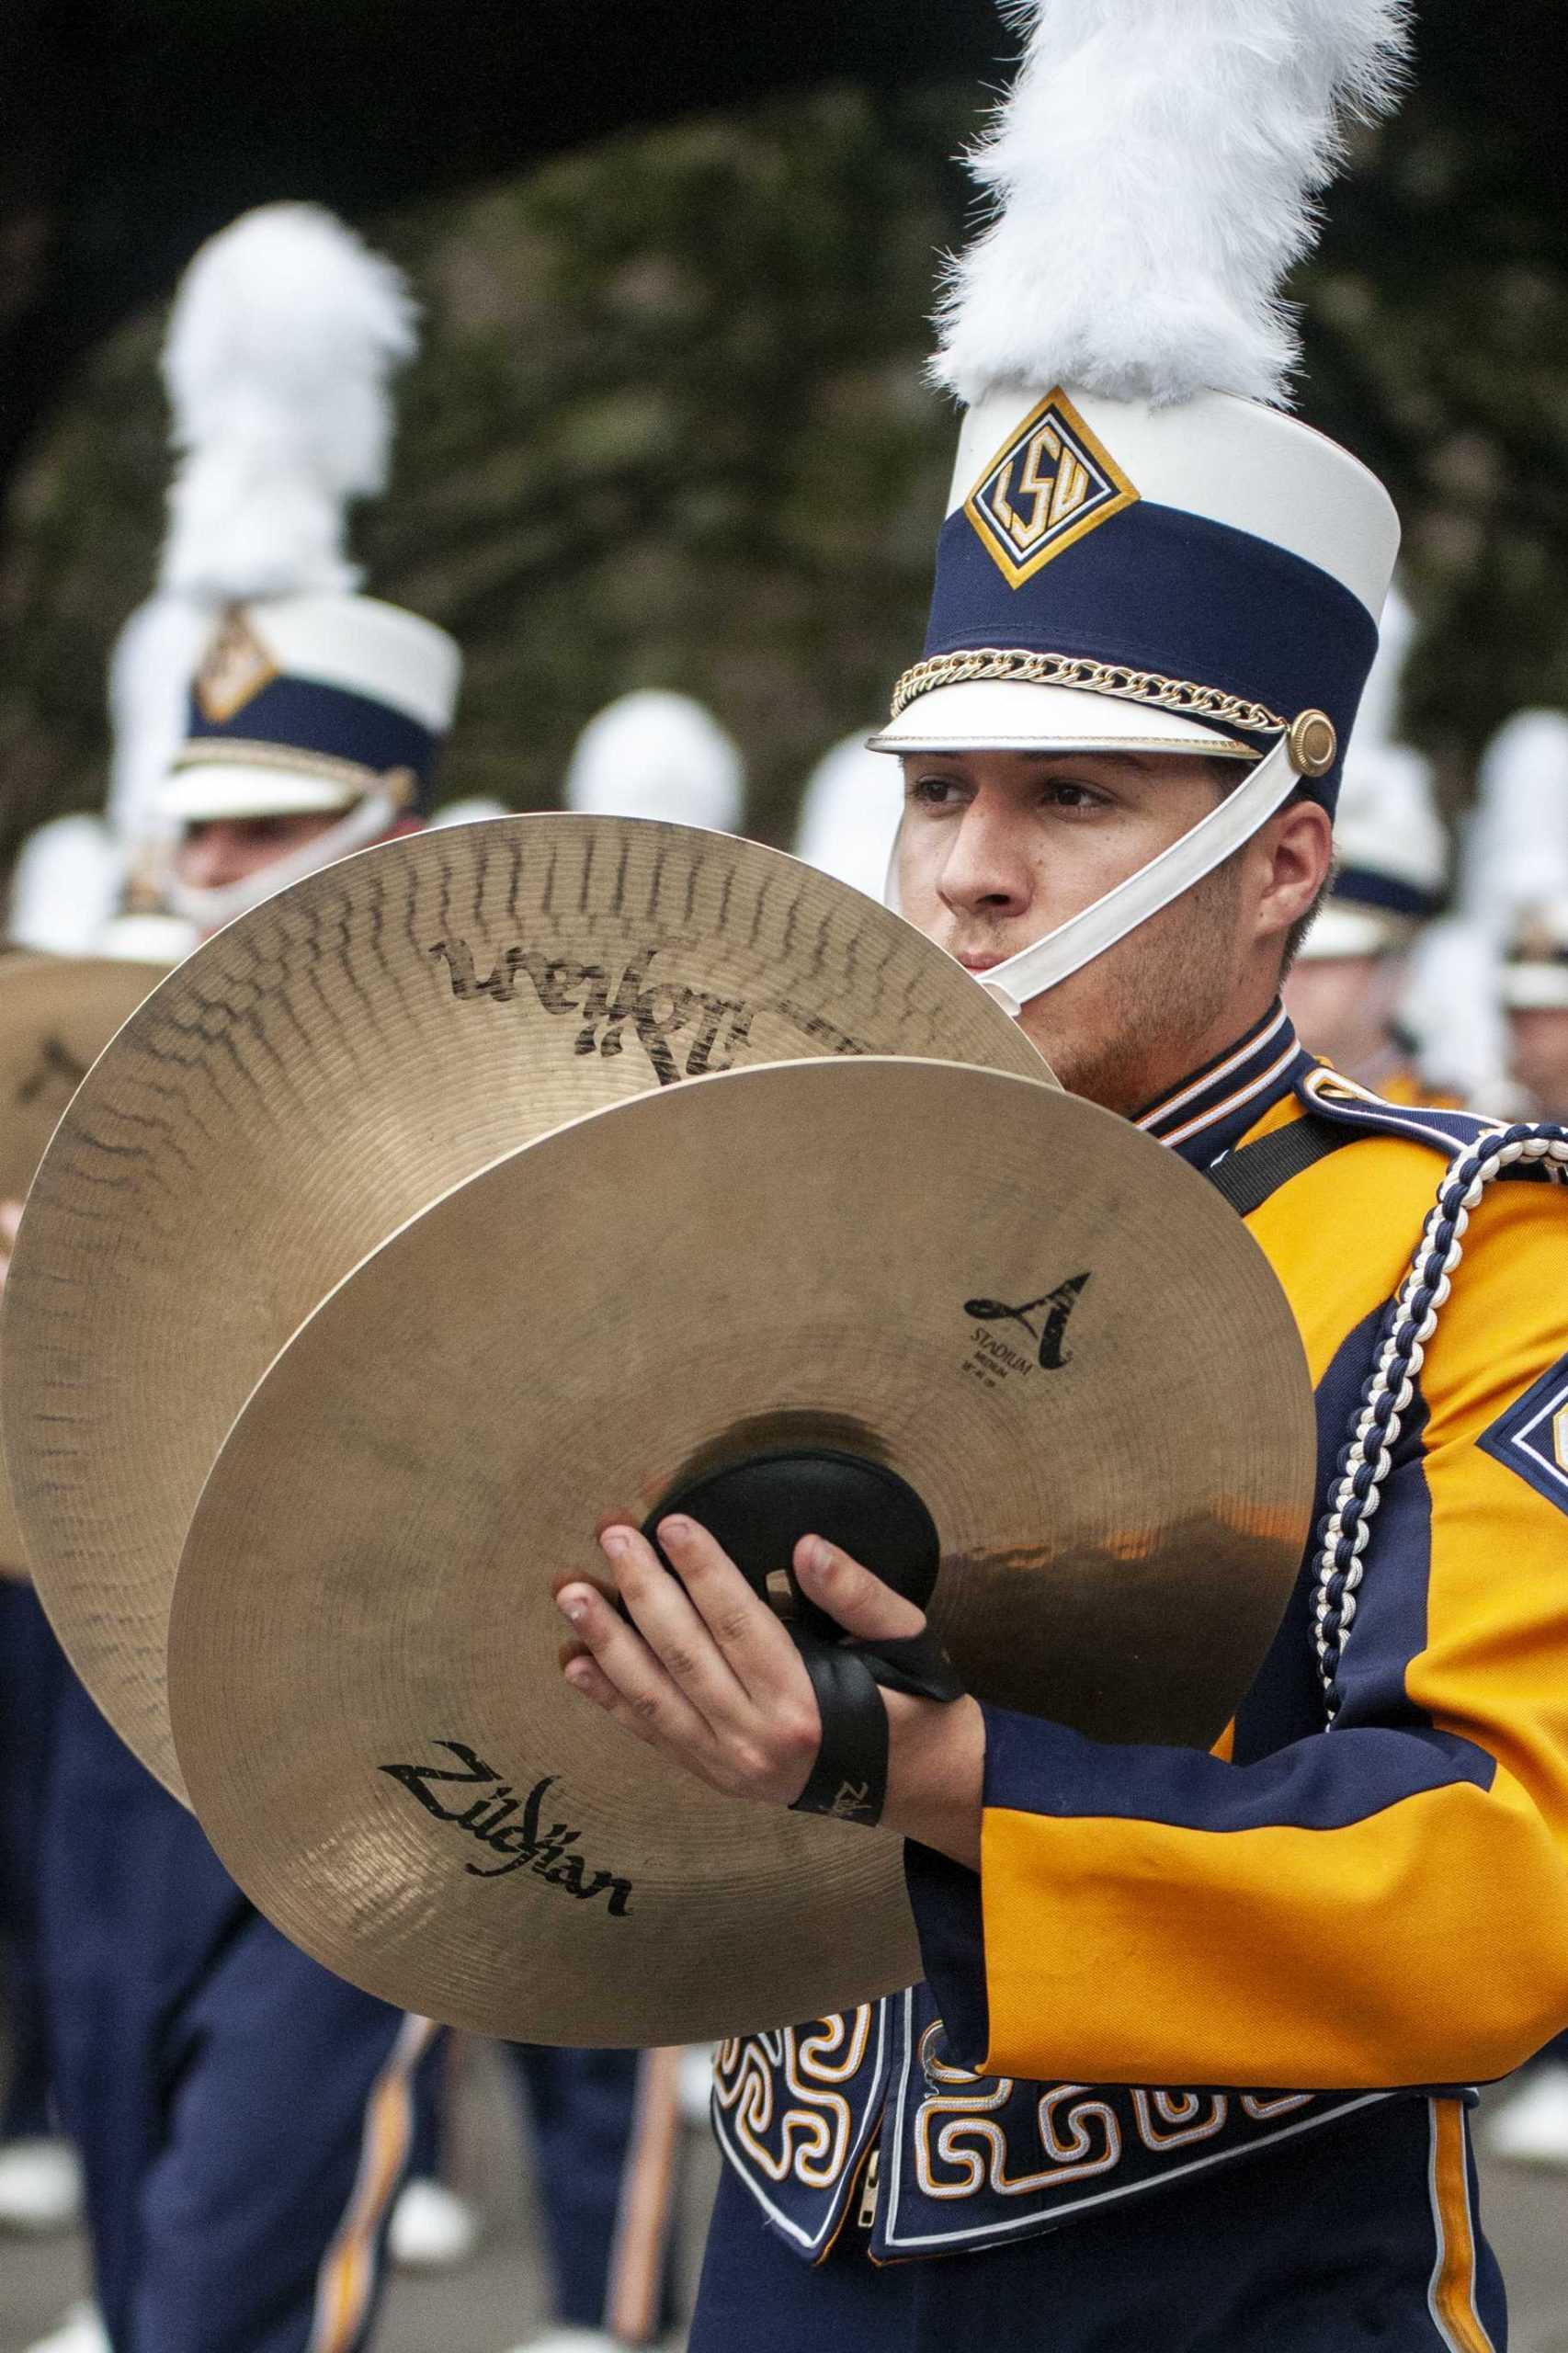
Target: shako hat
1392,856
1142,551
257,680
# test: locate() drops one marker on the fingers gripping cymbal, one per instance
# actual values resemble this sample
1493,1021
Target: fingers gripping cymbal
57,1014
1045,1324
323,1070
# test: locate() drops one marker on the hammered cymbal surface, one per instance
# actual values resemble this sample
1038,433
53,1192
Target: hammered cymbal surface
1047,1324
324,1068
57,1014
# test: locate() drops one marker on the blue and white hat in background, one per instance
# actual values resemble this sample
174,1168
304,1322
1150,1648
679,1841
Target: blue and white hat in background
850,816
303,704
258,681
1391,847
1141,553
1513,880
1392,853
653,753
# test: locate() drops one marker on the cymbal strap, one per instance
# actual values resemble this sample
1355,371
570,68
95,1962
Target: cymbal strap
849,1779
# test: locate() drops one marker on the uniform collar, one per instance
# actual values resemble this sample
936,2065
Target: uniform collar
1209,1113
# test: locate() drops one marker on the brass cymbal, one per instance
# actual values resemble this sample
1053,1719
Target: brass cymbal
324,1068
1046,1323
56,1013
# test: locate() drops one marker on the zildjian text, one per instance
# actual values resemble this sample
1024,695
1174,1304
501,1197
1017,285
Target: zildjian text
521,1843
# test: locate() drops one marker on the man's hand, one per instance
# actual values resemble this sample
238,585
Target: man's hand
706,1674
10,1219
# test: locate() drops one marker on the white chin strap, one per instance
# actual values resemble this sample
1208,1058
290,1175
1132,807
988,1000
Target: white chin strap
366,823
1204,846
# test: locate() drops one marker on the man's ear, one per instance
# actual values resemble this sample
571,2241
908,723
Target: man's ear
1294,853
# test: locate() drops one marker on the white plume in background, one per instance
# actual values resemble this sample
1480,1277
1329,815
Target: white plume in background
1377,715
64,886
1156,167
656,754
1453,1012
849,814
154,658
1387,817
1516,849
284,333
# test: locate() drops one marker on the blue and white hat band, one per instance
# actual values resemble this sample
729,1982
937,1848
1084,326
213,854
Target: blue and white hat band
312,725
1248,634
309,704
1215,564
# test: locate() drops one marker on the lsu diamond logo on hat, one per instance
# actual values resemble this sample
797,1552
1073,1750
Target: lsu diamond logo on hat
234,669
1050,484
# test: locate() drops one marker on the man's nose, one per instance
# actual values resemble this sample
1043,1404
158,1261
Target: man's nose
985,867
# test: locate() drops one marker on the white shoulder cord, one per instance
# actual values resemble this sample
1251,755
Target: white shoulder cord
1345,1530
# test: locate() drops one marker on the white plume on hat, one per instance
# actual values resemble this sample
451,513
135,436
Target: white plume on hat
1452,1011
656,754
1377,716
1157,171
1515,854
282,337
64,886
849,814
284,334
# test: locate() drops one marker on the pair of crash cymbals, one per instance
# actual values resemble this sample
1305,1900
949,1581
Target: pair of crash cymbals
319,1072
56,1013
1045,1327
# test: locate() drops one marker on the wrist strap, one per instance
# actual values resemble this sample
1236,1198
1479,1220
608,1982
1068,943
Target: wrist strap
849,1779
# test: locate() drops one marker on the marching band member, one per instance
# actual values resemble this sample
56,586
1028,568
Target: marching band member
1519,847
242,2115
1189,2065
1347,987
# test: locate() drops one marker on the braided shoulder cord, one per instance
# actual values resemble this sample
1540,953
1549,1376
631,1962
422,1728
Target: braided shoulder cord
1345,1530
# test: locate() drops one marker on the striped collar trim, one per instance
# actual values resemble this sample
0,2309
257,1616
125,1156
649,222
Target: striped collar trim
1208,1114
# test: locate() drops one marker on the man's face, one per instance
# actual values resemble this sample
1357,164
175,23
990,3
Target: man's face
216,851
997,848
1538,1056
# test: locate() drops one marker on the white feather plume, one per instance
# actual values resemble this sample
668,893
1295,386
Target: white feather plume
1516,850
284,333
849,814
1377,714
64,885
154,658
1156,167
656,754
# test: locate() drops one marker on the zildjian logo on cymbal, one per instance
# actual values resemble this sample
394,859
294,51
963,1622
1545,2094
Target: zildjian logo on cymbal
520,1843
712,1030
1048,1336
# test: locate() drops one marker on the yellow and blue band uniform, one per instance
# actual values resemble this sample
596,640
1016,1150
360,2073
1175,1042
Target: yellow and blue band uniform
1189,2063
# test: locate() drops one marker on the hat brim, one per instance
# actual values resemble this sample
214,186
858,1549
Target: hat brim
199,794
1347,931
1534,987
1009,715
